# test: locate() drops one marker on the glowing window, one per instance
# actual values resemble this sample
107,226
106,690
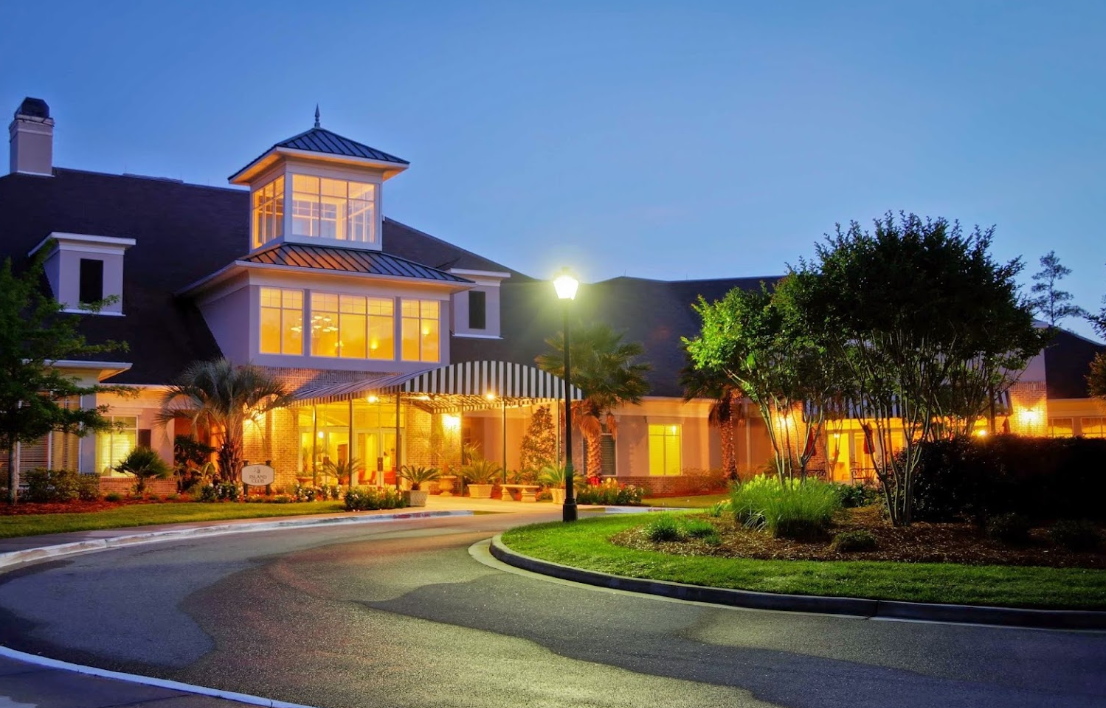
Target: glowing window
281,321
333,209
664,449
324,324
268,212
420,330
1061,427
116,443
1093,427
382,328
352,326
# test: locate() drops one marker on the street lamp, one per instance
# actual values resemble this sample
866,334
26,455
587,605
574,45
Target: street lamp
566,286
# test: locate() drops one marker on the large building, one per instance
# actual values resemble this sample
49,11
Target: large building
400,346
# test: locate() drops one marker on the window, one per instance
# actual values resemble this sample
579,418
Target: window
352,326
478,309
333,208
281,321
420,330
1061,427
116,443
1093,427
268,212
664,449
91,288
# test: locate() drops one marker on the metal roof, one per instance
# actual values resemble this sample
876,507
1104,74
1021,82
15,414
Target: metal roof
470,380
349,260
324,141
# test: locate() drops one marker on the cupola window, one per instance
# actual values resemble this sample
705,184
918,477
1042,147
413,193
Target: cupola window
335,209
268,212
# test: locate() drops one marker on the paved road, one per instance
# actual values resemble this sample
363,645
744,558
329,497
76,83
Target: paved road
403,615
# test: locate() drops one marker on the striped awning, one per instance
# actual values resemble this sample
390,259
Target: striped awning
470,379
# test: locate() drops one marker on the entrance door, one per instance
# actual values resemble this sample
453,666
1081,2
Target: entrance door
377,451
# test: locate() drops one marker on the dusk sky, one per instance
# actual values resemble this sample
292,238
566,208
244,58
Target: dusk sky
661,140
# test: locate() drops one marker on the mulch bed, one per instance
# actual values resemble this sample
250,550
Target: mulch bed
918,543
75,507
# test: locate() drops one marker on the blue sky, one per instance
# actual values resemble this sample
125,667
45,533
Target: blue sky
662,140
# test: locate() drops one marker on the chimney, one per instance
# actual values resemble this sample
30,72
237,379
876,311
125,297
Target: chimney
32,138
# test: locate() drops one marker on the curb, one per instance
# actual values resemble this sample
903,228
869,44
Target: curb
10,560
30,555
857,607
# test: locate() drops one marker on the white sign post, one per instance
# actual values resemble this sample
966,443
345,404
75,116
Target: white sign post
258,475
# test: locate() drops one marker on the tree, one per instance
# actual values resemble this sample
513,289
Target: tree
724,410
1096,379
922,320
606,369
35,397
1049,301
539,444
220,398
142,463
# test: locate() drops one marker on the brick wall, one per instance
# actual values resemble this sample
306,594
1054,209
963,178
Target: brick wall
1029,401
678,484
125,486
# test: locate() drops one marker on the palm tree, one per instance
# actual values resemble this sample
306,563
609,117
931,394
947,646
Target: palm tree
604,368
219,398
724,412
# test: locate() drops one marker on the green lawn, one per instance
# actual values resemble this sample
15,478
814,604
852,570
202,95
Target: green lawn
146,514
695,502
585,545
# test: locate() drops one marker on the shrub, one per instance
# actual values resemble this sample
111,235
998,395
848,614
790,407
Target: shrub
792,510
113,497
698,528
609,492
224,491
664,528
1009,528
46,486
716,510
857,495
1041,478
143,463
853,542
1076,535
372,498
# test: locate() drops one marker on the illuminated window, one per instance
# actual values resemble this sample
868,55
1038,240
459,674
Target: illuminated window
352,326
1093,427
281,321
664,449
1061,427
116,443
420,330
268,212
333,208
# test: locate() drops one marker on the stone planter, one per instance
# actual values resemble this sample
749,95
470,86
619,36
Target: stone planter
481,491
445,484
416,497
558,494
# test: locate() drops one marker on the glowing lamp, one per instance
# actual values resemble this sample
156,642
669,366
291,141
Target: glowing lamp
566,285
372,399
490,396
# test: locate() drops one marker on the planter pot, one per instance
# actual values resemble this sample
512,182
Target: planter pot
445,483
558,495
416,497
481,491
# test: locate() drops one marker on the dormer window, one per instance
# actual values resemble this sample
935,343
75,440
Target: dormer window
341,210
84,269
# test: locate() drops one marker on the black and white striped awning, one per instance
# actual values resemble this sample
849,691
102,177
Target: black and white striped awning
475,379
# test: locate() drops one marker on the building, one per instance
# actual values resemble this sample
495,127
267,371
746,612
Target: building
400,346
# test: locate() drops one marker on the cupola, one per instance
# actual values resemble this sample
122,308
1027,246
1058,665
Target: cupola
318,188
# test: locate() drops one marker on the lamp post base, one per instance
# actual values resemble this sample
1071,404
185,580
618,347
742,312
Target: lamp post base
568,511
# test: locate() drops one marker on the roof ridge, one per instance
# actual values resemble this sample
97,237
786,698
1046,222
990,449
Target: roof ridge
148,178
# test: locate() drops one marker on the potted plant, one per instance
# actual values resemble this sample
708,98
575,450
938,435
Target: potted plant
417,476
553,478
143,463
481,476
344,469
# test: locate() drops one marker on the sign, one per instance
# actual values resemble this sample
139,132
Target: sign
258,475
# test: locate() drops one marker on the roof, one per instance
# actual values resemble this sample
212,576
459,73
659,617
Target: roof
1067,363
349,260
656,313
323,142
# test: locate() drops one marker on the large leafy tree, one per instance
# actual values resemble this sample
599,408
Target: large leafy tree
35,397
1053,304
927,326
1096,379
219,398
608,371
725,409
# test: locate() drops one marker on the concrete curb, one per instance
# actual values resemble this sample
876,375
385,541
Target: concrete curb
30,555
13,559
857,607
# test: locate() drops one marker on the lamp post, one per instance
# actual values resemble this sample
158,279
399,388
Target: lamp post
566,286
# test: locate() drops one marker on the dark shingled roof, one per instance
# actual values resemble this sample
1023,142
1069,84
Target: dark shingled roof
324,141
349,260
654,312
1067,363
